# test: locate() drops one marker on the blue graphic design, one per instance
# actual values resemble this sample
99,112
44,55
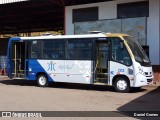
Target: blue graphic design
51,66
36,67
112,72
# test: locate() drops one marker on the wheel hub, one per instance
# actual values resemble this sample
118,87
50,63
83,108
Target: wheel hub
121,84
42,80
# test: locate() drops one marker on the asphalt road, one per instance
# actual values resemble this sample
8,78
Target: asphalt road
20,95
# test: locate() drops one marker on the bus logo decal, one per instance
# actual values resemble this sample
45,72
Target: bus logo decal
69,67
51,66
66,67
120,70
112,72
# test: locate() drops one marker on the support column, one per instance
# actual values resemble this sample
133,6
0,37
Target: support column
153,36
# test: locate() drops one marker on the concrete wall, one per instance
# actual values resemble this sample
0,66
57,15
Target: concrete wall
153,31
108,10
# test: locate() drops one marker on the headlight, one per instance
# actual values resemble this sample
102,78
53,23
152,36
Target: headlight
141,71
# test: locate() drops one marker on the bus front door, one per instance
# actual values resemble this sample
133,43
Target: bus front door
19,65
101,63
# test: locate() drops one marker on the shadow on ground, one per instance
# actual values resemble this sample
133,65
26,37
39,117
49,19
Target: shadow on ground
65,85
147,104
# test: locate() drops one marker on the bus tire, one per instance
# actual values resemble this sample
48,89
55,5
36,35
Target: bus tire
121,84
42,80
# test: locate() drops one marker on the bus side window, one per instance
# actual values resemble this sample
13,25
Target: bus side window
54,49
119,53
45,55
36,52
33,55
79,49
55,55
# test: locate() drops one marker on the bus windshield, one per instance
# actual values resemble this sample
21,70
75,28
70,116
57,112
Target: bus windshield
137,50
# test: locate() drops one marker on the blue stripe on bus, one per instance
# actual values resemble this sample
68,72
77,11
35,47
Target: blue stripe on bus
34,69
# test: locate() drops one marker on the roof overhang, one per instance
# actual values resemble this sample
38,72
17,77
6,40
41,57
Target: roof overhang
35,15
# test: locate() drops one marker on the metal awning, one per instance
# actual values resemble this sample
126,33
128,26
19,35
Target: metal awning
35,15
10,1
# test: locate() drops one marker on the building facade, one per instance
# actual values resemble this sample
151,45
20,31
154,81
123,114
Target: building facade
139,18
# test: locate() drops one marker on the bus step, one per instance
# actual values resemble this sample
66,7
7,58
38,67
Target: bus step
101,80
103,70
17,74
20,74
102,75
99,83
18,78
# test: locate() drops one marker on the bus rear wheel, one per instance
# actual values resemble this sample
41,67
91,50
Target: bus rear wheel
122,85
42,80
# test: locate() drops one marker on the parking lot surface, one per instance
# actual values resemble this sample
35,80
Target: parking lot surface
20,95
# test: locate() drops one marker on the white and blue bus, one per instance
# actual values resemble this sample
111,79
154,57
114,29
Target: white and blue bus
108,59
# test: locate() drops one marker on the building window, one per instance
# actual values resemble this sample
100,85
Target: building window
85,14
80,49
135,9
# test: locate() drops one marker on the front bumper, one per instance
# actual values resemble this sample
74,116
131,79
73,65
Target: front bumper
141,80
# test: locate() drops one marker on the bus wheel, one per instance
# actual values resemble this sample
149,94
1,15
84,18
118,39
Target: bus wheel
42,80
122,85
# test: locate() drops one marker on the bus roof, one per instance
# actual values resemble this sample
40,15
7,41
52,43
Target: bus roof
117,35
71,36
